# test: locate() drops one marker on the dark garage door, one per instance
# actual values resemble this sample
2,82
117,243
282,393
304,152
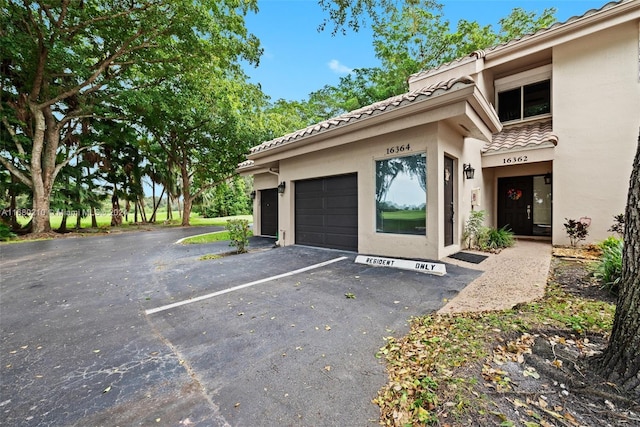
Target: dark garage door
327,212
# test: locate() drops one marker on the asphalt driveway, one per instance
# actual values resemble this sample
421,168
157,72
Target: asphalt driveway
82,343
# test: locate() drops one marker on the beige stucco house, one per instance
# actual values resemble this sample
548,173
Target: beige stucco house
548,123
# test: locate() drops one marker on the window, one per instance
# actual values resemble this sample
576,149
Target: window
524,95
401,195
525,101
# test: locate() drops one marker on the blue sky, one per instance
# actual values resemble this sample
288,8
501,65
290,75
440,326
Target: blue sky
298,60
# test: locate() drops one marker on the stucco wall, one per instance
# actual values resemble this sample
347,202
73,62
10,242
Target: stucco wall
435,140
596,115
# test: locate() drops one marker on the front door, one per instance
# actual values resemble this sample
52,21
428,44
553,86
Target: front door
515,204
269,212
449,210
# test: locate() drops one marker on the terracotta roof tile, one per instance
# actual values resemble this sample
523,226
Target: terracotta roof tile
366,112
245,164
536,134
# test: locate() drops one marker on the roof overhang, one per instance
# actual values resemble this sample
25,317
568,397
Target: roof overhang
459,103
524,143
591,22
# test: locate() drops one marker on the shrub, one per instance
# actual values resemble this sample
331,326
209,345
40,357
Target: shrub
238,234
474,229
577,230
609,242
497,238
608,270
618,225
5,232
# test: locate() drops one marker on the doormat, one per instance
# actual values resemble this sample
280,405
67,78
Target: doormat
469,257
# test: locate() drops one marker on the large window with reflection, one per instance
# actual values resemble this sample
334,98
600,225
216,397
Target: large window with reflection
401,195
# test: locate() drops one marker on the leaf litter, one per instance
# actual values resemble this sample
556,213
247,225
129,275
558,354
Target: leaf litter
528,366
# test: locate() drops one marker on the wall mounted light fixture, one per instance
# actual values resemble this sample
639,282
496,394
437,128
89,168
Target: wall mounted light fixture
253,195
281,187
469,171
547,178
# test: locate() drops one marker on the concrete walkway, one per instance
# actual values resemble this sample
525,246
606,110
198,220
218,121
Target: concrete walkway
515,275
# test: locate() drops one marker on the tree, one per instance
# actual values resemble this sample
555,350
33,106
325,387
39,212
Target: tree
620,362
417,36
205,121
344,14
63,62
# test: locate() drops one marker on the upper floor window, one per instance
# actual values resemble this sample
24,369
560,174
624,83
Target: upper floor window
524,95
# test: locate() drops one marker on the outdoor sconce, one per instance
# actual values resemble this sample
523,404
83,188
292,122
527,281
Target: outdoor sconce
469,172
253,195
281,187
547,178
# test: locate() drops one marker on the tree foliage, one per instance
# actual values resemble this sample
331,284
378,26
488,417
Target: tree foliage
218,120
66,62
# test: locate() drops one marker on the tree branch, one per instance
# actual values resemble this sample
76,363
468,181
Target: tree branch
16,172
14,137
208,186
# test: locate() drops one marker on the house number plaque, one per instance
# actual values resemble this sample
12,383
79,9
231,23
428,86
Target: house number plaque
514,160
398,149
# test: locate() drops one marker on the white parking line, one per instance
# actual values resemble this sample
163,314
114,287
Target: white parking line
246,285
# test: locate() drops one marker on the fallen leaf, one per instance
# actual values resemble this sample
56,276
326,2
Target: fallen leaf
106,390
327,328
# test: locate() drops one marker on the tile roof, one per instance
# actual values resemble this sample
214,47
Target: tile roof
530,135
482,53
245,164
368,111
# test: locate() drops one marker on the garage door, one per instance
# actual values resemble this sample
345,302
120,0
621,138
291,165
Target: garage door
327,212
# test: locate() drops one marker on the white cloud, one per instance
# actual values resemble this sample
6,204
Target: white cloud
338,68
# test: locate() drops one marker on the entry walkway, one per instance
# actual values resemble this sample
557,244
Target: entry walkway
515,275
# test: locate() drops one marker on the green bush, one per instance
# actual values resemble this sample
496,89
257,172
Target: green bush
608,270
474,231
5,232
609,242
238,234
497,238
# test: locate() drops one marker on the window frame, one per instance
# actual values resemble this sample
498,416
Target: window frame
375,187
519,81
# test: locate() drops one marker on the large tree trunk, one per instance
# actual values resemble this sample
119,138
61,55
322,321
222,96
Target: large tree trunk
116,213
94,220
186,196
41,194
43,165
620,362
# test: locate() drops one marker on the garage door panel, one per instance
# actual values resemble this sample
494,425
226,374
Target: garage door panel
326,212
309,221
340,241
346,202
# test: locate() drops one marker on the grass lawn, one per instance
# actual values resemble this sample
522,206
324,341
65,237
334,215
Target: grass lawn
104,221
217,236
405,215
413,221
